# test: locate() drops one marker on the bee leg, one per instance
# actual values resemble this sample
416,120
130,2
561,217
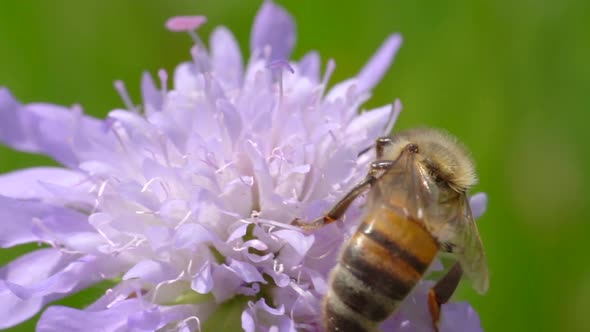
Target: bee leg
381,165
338,210
442,292
380,145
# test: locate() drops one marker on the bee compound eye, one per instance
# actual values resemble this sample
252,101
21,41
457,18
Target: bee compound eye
413,148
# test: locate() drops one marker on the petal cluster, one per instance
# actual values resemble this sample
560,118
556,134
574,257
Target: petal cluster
186,200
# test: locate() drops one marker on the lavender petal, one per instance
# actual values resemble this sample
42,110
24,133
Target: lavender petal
226,58
309,66
151,271
58,318
369,124
479,203
20,221
27,269
31,183
374,70
274,27
152,97
19,310
43,276
459,316
65,134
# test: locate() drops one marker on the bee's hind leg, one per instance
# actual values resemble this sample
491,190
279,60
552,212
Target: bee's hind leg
338,210
442,291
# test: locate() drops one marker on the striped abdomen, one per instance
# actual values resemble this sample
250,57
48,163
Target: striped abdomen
377,269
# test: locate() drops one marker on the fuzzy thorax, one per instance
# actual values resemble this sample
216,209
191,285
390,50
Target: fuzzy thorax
445,156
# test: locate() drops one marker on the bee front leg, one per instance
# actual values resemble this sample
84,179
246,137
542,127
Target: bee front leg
380,144
442,292
338,210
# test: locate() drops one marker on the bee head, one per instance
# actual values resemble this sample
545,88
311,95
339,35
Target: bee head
446,158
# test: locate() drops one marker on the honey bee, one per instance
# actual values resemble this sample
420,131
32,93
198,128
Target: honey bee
417,206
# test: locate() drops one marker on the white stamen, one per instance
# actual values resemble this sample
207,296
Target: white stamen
189,268
199,60
146,213
279,224
163,75
163,283
103,234
278,67
149,183
184,219
186,320
199,43
226,165
333,247
122,90
397,107
278,267
116,129
102,188
135,242
330,67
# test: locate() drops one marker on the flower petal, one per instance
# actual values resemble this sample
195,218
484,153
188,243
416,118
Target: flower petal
247,272
259,311
14,123
459,317
203,281
309,66
298,247
226,283
28,269
151,271
369,125
374,70
152,97
115,311
65,134
226,58
17,310
479,203
30,183
70,274
58,318
274,27
17,219
248,323
145,320
46,275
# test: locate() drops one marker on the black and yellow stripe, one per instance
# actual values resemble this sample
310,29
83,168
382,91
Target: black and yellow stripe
378,267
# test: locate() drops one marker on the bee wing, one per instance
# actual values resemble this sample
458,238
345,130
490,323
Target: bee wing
469,248
406,187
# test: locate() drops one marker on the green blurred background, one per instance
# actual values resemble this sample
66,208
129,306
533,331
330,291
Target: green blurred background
510,78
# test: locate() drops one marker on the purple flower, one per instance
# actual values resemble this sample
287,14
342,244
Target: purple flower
186,201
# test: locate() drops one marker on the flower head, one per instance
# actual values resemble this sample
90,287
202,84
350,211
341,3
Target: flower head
186,200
